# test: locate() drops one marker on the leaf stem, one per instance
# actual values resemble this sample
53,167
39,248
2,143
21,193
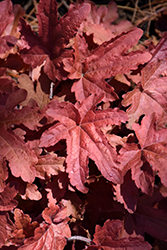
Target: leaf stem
81,238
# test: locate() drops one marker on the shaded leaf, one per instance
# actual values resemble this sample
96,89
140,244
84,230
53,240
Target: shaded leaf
7,201
109,238
127,193
130,157
150,220
23,227
53,36
3,174
153,145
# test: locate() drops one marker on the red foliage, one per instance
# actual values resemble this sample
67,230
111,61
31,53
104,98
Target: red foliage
93,164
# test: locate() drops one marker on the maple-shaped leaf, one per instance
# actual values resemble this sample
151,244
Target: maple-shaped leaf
150,93
53,36
130,157
80,125
153,145
99,23
50,236
111,58
109,238
148,159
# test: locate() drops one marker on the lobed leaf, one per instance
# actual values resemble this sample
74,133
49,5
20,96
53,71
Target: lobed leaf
53,37
151,92
80,126
107,60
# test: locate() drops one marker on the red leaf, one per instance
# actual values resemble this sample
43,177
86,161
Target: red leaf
99,23
108,59
49,165
3,174
53,36
6,227
151,92
5,14
109,238
150,220
130,157
36,94
127,193
23,228
32,192
6,198
153,145
21,158
80,126
52,236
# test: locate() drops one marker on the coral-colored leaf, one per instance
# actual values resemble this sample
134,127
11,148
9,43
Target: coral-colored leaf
32,192
50,236
21,158
53,36
151,92
109,238
84,138
49,165
108,59
99,23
